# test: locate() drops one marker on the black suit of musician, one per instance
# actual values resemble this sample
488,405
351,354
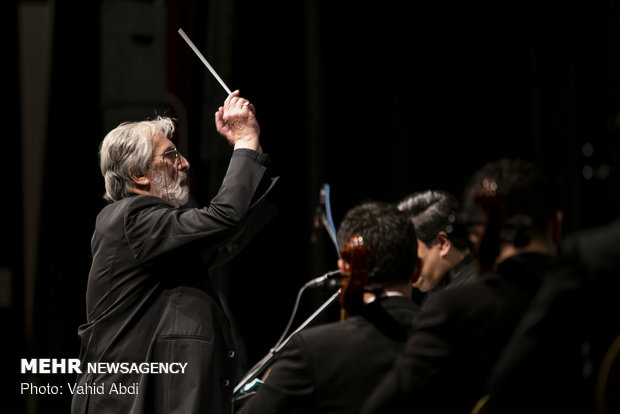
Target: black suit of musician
331,368
149,297
559,346
444,247
460,331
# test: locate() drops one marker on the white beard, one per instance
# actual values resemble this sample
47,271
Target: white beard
176,193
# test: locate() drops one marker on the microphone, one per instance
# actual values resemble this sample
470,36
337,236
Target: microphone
331,278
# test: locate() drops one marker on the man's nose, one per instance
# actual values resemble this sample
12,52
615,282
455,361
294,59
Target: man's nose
183,164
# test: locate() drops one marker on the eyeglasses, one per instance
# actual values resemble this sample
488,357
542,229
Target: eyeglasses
171,154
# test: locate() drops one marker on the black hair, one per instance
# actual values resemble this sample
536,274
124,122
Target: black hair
432,211
389,234
516,199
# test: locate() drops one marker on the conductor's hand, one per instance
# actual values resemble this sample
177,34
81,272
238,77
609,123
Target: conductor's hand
236,121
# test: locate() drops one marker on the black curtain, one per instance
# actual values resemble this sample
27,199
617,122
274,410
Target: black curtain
378,100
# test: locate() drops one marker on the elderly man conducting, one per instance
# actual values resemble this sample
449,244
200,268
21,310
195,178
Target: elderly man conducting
150,304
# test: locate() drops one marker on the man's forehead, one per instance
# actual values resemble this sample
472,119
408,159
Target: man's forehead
161,141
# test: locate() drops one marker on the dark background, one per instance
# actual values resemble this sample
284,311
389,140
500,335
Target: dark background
377,99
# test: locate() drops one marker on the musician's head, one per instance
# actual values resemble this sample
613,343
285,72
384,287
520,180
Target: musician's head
391,239
517,207
442,239
140,158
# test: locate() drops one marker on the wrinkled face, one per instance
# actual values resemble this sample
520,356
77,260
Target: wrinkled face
169,176
433,266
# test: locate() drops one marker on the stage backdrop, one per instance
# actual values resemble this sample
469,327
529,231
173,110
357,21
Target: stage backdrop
377,100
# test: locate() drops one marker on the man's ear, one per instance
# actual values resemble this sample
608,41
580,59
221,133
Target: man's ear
444,243
141,180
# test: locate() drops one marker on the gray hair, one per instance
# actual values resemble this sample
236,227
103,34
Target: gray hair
127,150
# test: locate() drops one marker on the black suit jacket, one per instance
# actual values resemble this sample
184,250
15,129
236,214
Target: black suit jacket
558,347
331,368
463,272
456,339
149,297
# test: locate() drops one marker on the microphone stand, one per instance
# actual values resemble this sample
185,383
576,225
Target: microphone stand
249,383
245,387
